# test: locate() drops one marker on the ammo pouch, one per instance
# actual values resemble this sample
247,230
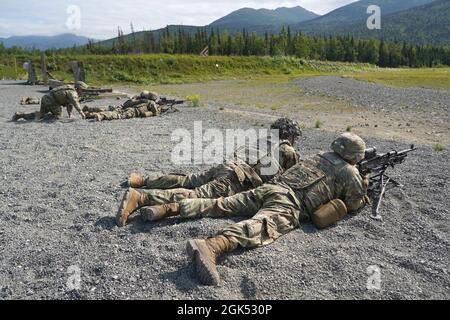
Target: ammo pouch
245,174
142,110
134,102
329,214
301,176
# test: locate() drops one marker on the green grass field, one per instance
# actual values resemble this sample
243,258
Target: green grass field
145,70
177,69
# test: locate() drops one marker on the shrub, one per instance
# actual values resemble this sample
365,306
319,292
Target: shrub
194,100
438,147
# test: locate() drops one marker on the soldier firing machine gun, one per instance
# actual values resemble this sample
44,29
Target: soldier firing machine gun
376,164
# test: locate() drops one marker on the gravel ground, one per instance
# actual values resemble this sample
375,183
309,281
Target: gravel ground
377,96
60,191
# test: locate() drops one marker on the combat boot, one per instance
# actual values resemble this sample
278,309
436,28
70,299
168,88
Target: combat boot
204,254
147,114
136,181
132,201
156,213
17,116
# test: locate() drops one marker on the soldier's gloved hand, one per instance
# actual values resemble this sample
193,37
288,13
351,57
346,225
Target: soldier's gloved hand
83,116
367,200
366,181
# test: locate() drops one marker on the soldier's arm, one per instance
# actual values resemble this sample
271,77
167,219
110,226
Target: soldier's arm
288,157
73,101
355,191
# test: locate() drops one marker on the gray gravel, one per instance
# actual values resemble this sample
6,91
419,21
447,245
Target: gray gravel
60,190
378,97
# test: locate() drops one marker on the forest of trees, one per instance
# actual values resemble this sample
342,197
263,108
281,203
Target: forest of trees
346,49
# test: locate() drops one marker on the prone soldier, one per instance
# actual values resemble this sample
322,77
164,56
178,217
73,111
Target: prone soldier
231,177
323,189
141,106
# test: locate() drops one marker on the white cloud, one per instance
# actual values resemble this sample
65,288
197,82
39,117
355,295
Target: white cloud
100,18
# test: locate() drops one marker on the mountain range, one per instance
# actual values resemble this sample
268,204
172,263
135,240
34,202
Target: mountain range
425,24
414,21
355,12
253,20
45,42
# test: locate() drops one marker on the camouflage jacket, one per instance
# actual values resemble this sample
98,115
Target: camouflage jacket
65,96
324,178
142,105
267,166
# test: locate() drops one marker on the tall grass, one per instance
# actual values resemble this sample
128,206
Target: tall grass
174,69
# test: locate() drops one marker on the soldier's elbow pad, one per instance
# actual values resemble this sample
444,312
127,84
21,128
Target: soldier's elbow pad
329,214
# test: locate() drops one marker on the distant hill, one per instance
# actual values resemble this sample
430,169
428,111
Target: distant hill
45,42
354,12
428,24
254,20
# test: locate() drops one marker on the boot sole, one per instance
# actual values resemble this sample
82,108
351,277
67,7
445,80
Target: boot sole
131,183
206,271
123,205
147,215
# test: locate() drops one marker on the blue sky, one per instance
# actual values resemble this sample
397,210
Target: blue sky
99,18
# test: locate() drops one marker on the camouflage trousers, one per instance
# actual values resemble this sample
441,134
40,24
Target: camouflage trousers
29,101
223,187
190,181
220,181
49,105
120,114
272,210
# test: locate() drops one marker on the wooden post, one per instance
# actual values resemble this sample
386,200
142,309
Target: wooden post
78,71
15,67
44,69
31,74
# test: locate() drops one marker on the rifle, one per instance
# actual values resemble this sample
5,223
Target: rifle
376,164
169,102
168,105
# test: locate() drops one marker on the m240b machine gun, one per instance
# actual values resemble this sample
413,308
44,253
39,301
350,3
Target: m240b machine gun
168,105
375,165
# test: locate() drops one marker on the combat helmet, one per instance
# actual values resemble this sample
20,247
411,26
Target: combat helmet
149,95
80,85
287,128
350,147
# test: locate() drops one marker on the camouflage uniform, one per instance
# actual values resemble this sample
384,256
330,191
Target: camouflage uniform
29,101
278,207
230,178
133,108
63,96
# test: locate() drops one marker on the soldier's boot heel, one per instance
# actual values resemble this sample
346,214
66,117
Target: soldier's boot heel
204,254
17,116
156,213
204,261
135,180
